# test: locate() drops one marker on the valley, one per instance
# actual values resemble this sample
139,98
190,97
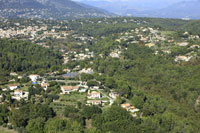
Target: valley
99,75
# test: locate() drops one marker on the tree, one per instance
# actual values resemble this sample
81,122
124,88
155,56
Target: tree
70,109
89,111
114,119
3,114
36,125
55,125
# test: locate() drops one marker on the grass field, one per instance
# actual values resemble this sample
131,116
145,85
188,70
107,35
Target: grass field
68,99
167,33
5,130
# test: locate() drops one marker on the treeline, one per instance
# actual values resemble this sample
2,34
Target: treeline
105,26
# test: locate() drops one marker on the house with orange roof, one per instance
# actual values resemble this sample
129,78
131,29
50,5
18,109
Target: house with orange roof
44,86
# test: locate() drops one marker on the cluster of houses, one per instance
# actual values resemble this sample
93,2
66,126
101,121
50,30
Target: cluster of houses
145,35
17,93
94,96
33,32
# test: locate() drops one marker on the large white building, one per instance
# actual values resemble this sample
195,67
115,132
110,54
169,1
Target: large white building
34,78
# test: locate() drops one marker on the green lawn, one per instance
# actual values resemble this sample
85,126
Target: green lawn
5,130
167,33
25,88
68,99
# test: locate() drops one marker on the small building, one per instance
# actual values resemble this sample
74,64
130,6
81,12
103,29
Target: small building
94,87
12,87
87,71
126,106
19,77
94,95
1,99
69,89
150,45
182,58
130,108
183,44
83,90
114,95
45,86
13,74
34,78
18,93
70,75
94,102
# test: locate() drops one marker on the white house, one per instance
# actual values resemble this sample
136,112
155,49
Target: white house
34,77
12,87
94,95
82,90
18,93
182,44
183,58
13,74
87,71
94,88
94,102
114,95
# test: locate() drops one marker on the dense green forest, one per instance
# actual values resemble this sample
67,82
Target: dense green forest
23,56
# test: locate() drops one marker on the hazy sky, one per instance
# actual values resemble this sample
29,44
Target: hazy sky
117,5
172,1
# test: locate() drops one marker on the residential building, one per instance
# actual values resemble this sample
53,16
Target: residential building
69,89
94,102
44,86
18,93
34,78
130,108
94,95
114,95
12,87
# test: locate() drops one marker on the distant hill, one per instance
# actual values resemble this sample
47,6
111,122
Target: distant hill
152,8
185,9
48,9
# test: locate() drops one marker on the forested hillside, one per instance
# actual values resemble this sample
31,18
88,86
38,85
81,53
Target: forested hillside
103,75
23,56
48,9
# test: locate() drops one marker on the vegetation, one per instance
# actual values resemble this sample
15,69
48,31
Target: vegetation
165,91
23,56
